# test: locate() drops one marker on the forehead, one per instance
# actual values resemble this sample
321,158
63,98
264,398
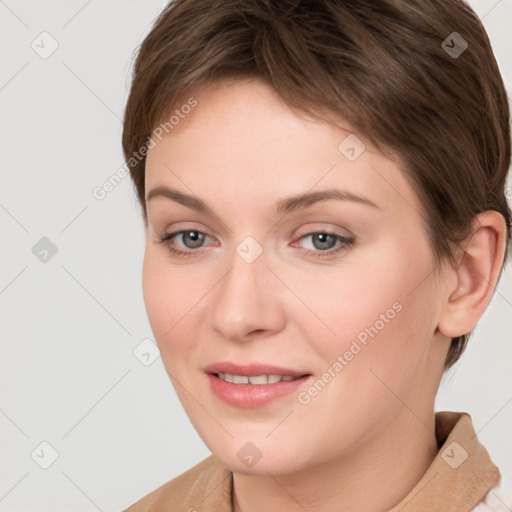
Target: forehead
242,141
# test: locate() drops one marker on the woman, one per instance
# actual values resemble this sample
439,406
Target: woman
322,188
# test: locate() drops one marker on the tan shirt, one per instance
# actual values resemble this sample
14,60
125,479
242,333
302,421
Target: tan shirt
458,479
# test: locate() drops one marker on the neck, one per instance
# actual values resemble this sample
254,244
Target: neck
390,464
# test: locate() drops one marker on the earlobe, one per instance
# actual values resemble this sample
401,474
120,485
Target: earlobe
475,275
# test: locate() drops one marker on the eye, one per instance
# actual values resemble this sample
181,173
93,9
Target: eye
324,244
321,241
191,239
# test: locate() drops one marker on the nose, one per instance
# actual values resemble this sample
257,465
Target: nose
246,303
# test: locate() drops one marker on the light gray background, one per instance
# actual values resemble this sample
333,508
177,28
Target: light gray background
69,326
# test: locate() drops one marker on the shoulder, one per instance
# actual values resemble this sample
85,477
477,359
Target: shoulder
498,499
207,480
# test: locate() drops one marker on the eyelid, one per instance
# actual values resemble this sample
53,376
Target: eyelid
180,227
322,227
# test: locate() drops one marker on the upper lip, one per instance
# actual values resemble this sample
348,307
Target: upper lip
251,369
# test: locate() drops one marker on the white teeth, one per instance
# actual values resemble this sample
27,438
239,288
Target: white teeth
255,379
258,379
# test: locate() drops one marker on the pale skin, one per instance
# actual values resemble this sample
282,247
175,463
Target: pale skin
241,151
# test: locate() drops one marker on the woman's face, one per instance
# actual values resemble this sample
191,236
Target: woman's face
273,278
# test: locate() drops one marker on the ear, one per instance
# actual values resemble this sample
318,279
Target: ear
473,281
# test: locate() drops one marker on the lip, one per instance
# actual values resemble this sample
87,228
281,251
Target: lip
251,369
252,395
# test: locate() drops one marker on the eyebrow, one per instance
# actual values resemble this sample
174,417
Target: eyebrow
283,206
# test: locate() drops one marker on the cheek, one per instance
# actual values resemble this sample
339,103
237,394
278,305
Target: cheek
157,299
169,296
380,312
383,328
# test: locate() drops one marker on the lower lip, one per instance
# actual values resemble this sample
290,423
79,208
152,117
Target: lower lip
253,395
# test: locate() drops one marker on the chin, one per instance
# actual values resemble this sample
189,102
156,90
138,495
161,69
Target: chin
248,459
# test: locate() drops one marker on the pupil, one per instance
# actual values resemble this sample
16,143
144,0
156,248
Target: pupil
323,238
196,238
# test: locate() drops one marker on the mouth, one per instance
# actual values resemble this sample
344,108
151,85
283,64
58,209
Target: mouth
255,385
257,380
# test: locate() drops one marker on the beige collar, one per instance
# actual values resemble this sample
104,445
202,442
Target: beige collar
461,474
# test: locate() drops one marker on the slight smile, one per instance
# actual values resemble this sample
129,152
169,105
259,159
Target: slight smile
252,385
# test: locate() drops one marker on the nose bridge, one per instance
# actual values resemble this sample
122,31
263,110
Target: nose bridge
244,301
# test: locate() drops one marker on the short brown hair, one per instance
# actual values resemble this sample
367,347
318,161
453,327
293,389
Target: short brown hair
381,66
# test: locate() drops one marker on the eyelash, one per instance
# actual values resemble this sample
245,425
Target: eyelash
347,242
